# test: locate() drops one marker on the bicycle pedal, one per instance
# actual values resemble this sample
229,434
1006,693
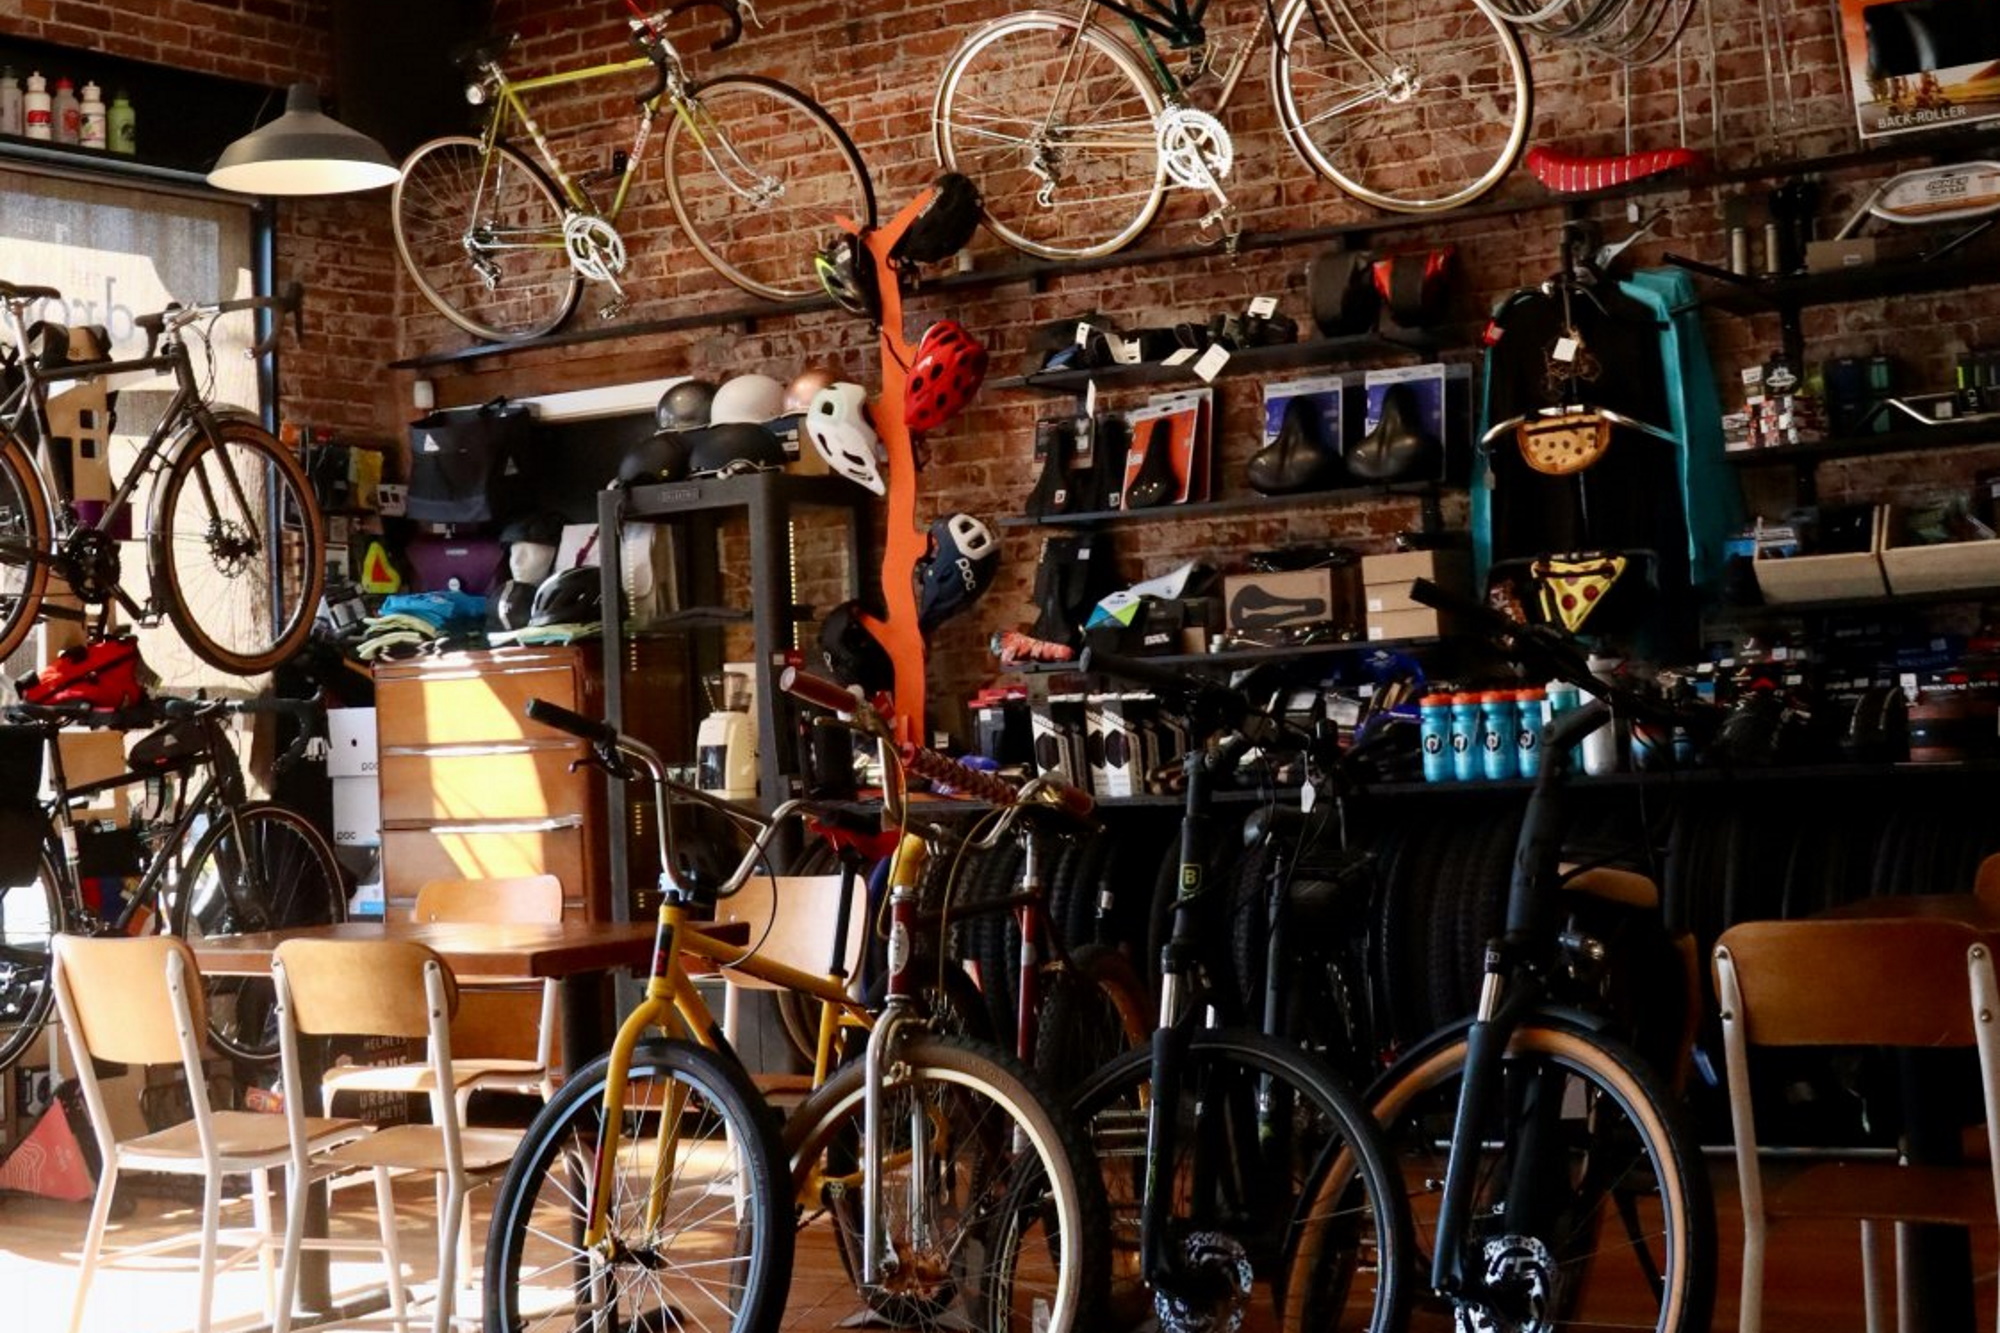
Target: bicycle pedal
611,310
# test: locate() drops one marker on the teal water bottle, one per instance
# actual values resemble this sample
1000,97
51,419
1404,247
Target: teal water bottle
1434,732
1496,735
1563,697
1529,706
1465,765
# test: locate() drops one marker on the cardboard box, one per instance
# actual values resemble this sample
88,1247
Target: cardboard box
357,812
1942,567
1819,578
1420,624
352,746
1387,578
94,756
1276,601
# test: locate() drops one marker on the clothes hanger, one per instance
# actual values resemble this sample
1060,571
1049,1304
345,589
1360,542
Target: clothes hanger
1578,410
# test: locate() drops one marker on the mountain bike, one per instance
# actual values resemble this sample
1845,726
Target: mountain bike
235,545
755,171
1551,1172
213,862
652,1189
1074,133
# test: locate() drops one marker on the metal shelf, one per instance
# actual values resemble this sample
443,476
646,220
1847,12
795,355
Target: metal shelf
1327,352
1850,605
1252,504
1944,435
1231,659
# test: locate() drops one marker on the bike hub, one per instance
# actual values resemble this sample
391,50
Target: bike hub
1213,1287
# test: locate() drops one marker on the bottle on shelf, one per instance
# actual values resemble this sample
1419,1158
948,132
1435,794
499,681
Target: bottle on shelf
1530,714
1465,748
1600,747
1434,734
120,127
1562,698
90,117
35,120
1496,735
10,102
64,114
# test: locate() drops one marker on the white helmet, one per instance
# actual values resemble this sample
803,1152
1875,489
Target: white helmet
837,423
752,398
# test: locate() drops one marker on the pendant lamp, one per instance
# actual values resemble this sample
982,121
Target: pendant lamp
303,152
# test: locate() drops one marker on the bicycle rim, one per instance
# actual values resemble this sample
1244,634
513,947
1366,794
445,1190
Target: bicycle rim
482,238
238,549
30,916
24,536
270,870
718,1255
1416,106
1621,1233
987,1205
756,173
1259,1128
1063,149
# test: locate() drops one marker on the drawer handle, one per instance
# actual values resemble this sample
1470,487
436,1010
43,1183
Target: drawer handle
511,825
479,749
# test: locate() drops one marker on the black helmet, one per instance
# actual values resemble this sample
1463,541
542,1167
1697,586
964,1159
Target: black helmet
847,271
852,655
662,456
731,448
570,597
959,567
543,527
684,406
945,225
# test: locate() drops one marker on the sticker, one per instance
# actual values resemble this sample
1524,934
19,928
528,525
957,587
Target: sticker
1212,361
899,948
1180,357
1566,349
1264,307
1082,332
1090,399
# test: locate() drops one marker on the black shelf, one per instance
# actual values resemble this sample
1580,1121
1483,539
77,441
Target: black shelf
1760,296
1944,435
1844,605
1253,504
1327,352
1238,657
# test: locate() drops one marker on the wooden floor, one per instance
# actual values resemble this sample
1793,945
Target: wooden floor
1815,1280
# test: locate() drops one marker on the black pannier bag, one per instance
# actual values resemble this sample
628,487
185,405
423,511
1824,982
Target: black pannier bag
470,464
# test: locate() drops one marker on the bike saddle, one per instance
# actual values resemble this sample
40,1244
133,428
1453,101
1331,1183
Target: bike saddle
1155,483
1301,458
482,51
1397,449
1570,173
1255,607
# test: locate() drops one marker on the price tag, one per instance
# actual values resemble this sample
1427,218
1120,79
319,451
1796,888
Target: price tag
1082,332
1180,357
1090,399
1566,349
1264,307
1212,361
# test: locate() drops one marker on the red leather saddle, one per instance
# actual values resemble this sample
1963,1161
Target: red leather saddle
1570,173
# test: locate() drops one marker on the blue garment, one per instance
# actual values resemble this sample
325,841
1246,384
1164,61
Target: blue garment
446,610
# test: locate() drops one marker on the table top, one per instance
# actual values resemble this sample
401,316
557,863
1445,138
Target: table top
1968,908
475,951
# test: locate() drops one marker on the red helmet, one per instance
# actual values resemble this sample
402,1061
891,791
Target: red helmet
949,368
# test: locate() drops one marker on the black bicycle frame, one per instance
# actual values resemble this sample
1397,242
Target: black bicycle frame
1178,22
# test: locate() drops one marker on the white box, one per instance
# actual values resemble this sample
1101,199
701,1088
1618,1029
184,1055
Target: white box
352,749
357,812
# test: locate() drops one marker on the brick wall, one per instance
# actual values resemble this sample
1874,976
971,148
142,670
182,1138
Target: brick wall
340,248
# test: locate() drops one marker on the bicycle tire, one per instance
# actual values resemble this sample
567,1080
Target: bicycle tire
978,1099
533,287
734,1140
1018,175
300,886
1092,1011
25,538
29,922
1340,1193
772,261
1427,95
1600,1079
209,563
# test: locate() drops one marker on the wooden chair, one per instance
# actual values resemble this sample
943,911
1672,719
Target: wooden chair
389,988
1903,982
139,1001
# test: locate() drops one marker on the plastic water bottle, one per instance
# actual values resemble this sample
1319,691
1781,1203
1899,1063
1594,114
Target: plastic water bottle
1465,748
64,112
10,102
1434,733
1600,747
1564,697
1529,706
90,117
119,126
35,120
1496,735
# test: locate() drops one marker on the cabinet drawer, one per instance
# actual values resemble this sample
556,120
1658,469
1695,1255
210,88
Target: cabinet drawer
518,781
456,706
410,857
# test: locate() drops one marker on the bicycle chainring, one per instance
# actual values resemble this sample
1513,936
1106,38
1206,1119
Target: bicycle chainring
1520,1282
1195,148
596,250
1216,1279
89,563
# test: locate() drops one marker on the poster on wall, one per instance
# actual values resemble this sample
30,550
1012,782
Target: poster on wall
1916,65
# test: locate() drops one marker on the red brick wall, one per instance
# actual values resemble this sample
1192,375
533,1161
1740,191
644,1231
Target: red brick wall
340,248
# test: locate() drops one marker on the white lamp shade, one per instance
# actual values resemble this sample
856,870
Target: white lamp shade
303,152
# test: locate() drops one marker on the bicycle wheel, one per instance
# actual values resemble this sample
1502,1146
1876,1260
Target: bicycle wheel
1415,106
1260,1127
24,536
1605,1220
991,1212
1093,1010
718,1252
31,914
756,173
482,237
238,550
266,869
1055,125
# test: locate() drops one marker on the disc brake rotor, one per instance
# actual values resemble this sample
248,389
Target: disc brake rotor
1521,1276
1221,1265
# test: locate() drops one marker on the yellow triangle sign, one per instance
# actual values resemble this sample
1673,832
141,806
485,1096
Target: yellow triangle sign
377,574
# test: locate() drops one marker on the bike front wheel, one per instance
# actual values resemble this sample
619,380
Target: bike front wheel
698,1235
756,173
1416,106
482,236
991,1215
1055,123
263,867
1591,1205
24,546
31,915
1259,1129
238,549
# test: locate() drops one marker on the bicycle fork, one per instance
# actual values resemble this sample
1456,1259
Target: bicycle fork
900,1011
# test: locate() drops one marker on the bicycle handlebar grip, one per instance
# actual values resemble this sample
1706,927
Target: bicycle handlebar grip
1141,672
817,690
927,763
576,724
1075,801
